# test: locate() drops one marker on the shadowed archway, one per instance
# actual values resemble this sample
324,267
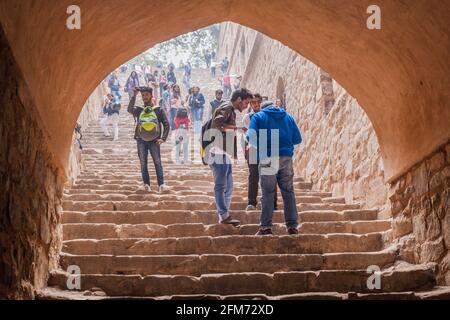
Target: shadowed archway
398,73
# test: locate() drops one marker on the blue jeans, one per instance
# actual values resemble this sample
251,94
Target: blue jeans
117,94
144,147
197,115
223,184
284,176
173,113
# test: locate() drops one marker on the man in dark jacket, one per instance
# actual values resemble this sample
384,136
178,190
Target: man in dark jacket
216,102
152,144
197,105
280,134
223,148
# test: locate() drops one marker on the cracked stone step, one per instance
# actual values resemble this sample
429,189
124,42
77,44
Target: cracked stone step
411,278
166,217
148,230
197,265
234,244
145,196
70,205
237,193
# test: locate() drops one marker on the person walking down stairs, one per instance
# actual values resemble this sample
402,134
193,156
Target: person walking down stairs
111,109
148,134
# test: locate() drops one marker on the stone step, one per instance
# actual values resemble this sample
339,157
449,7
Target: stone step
145,196
70,205
334,200
435,293
167,217
236,193
188,183
134,188
231,244
197,265
357,227
411,278
73,231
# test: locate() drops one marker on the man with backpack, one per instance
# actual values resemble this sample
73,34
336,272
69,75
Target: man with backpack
219,144
148,134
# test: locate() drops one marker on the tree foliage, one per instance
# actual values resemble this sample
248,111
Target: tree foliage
190,45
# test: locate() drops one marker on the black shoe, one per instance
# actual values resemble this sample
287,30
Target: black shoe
231,221
293,231
264,232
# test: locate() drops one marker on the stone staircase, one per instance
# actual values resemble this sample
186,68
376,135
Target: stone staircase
129,243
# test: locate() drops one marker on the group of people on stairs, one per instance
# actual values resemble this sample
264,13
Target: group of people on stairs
270,134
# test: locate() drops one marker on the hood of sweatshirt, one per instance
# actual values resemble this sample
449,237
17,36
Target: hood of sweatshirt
275,112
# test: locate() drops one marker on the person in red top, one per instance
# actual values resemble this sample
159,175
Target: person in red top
182,136
226,82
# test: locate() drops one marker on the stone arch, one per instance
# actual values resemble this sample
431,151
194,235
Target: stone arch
388,80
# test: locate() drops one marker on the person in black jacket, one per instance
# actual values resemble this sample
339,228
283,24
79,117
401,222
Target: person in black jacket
151,140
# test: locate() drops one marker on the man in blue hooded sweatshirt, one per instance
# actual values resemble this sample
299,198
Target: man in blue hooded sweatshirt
274,133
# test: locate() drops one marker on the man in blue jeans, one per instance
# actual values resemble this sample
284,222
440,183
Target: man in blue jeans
274,133
224,129
148,134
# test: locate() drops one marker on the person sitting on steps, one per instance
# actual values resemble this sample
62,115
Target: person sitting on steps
148,134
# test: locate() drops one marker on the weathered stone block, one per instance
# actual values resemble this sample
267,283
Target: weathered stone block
436,162
401,225
420,180
432,251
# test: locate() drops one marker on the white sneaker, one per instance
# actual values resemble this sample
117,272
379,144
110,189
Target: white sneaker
147,188
162,188
250,207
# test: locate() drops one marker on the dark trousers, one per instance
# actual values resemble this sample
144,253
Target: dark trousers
144,148
253,185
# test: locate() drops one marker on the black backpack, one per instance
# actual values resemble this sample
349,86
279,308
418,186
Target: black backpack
205,140
182,113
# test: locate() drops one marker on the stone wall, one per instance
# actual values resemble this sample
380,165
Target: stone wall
90,112
30,188
421,212
340,151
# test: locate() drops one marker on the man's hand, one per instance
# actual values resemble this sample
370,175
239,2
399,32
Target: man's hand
135,91
160,141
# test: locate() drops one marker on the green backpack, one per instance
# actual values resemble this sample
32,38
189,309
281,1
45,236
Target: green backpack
149,128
